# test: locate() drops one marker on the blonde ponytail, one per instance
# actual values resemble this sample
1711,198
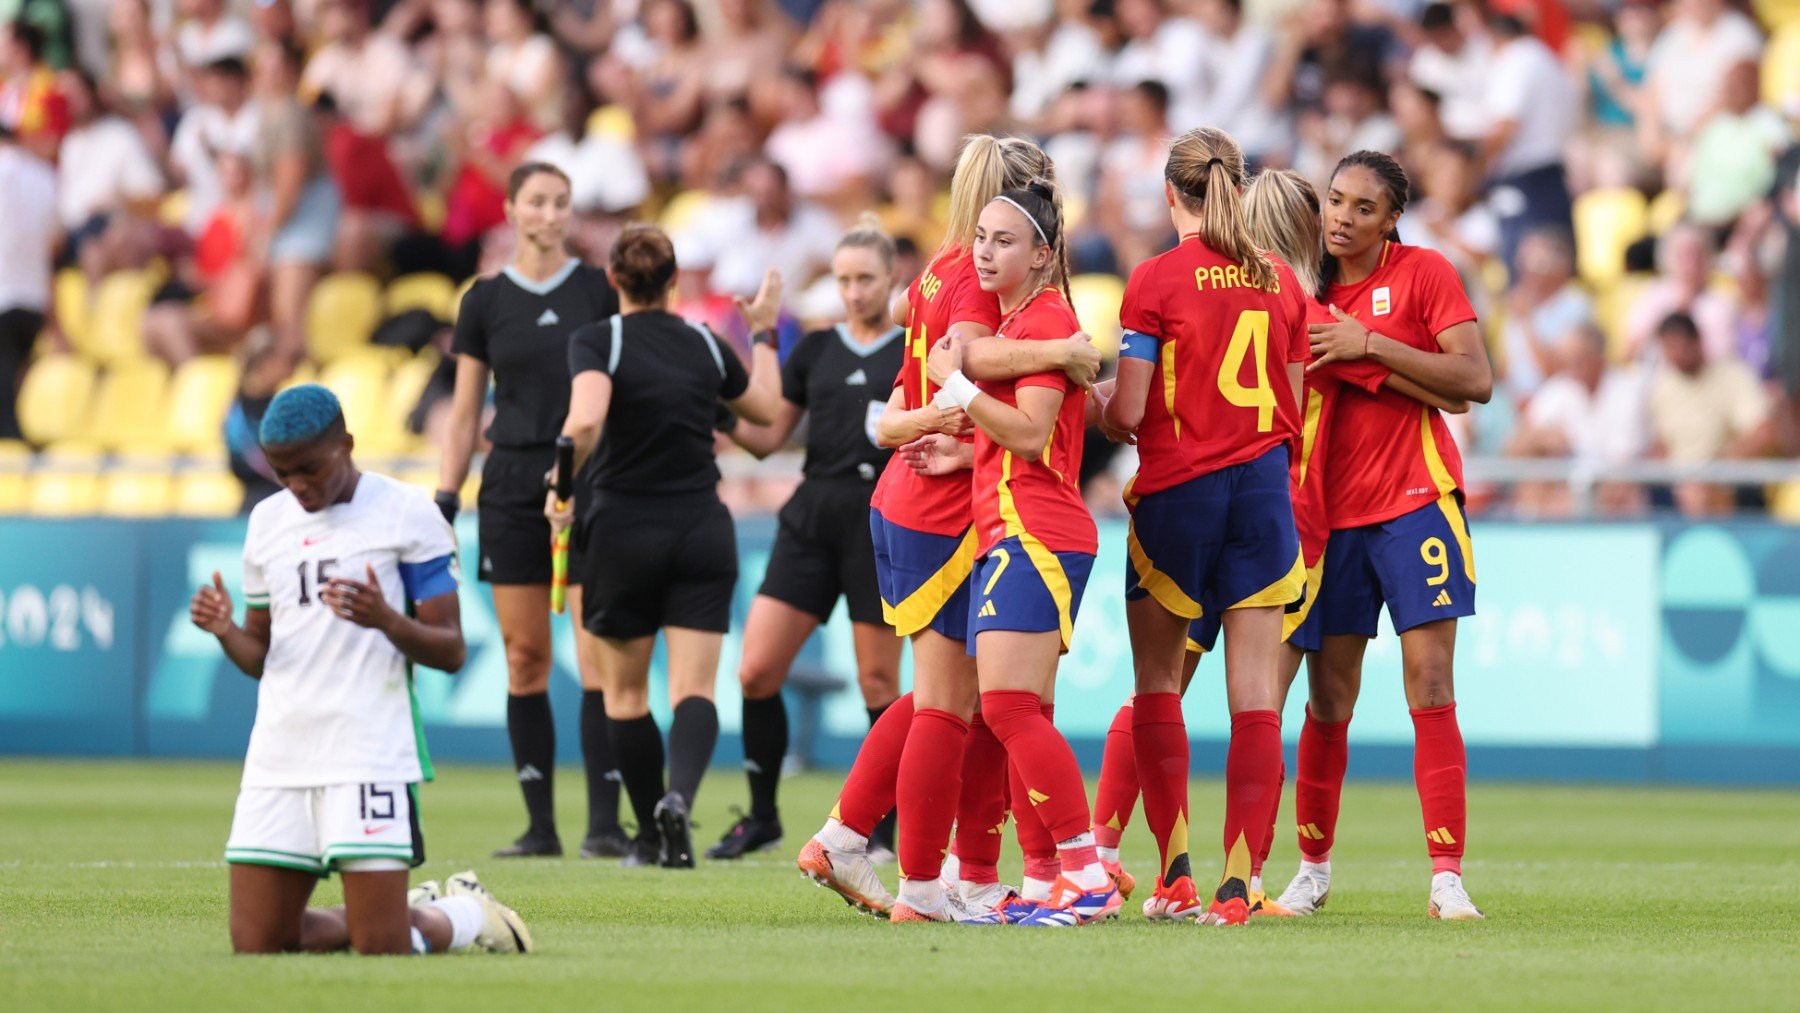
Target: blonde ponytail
1281,209
1206,167
980,174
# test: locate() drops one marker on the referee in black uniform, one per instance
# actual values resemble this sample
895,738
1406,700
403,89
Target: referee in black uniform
657,548
840,378
517,325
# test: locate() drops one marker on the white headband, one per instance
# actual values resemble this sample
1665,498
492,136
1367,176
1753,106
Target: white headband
1028,217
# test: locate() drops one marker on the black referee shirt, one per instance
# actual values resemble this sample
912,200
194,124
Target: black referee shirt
521,329
668,376
844,386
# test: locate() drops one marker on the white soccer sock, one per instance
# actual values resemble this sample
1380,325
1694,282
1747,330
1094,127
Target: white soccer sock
839,837
1091,876
1035,889
982,895
1108,854
925,896
466,918
1255,884
1317,868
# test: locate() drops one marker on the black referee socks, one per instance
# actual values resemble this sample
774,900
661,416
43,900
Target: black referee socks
638,745
602,768
692,736
533,735
765,747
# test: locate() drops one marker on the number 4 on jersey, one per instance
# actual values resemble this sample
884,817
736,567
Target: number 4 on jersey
1249,337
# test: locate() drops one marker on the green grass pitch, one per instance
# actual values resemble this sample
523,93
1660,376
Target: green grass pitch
113,896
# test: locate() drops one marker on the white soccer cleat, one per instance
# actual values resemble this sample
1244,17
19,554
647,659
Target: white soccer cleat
1310,887
1450,902
502,930
848,874
986,897
424,893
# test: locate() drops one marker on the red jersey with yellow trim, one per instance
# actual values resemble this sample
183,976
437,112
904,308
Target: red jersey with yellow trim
1306,468
1016,497
1220,395
948,292
1387,454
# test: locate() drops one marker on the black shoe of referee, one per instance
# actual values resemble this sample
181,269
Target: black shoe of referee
748,834
532,846
614,843
677,832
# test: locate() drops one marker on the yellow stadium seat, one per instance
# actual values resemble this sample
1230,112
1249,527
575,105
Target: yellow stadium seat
341,314
432,210
56,492
129,406
1612,306
199,398
361,383
404,390
1606,222
208,494
14,453
173,210
682,209
423,291
461,290
15,492
1096,300
1665,211
1784,502
1777,14
303,373
72,309
1781,65
132,493
613,122
54,401
115,329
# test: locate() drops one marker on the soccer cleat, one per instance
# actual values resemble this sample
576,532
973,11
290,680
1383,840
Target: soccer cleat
502,930
986,897
424,893
1174,902
850,875
1308,890
643,852
1230,904
677,831
1069,905
1262,907
1450,902
1015,909
614,843
747,835
532,846
902,912
1125,881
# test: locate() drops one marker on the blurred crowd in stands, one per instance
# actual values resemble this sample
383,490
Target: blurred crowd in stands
183,181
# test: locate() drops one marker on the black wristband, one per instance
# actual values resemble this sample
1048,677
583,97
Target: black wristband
448,503
770,337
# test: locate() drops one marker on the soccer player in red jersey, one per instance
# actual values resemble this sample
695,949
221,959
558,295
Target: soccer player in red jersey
1037,540
925,550
1218,328
1398,534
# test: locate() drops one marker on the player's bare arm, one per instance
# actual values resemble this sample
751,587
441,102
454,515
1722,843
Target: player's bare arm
433,638
247,645
898,426
763,440
1460,372
997,358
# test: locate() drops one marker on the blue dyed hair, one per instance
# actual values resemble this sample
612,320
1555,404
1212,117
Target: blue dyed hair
300,415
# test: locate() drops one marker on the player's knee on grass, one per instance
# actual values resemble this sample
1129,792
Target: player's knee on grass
253,935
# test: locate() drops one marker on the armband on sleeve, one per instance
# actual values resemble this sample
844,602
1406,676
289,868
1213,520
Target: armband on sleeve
1138,345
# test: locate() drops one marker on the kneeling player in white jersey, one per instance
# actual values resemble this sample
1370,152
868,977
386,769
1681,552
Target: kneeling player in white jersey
350,579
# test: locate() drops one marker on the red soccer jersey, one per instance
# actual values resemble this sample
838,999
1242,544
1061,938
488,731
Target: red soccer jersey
1306,469
1220,395
947,293
1042,498
1388,454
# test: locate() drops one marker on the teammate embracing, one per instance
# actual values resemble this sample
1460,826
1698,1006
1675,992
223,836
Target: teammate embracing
350,579
1398,534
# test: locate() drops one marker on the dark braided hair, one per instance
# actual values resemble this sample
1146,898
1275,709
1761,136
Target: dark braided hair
1393,180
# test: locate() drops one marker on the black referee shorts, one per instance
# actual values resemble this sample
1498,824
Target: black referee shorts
823,549
654,561
515,536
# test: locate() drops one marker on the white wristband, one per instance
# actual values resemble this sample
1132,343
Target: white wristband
961,389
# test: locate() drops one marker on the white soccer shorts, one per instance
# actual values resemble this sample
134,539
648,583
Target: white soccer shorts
346,827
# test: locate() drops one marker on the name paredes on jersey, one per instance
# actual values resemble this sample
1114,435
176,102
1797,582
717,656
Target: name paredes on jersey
1212,279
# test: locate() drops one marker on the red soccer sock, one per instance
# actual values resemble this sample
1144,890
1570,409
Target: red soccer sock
868,793
1160,744
1262,855
1252,776
927,788
1319,784
1117,793
1049,779
981,813
1439,765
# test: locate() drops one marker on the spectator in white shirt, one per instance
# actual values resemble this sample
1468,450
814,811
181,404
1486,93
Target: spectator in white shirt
1048,59
28,193
765,228
1589,414
108,183
223,120
1532,113
1545,303
1237,55
1686,70
1451,62
1131,209
1162,46
209,33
